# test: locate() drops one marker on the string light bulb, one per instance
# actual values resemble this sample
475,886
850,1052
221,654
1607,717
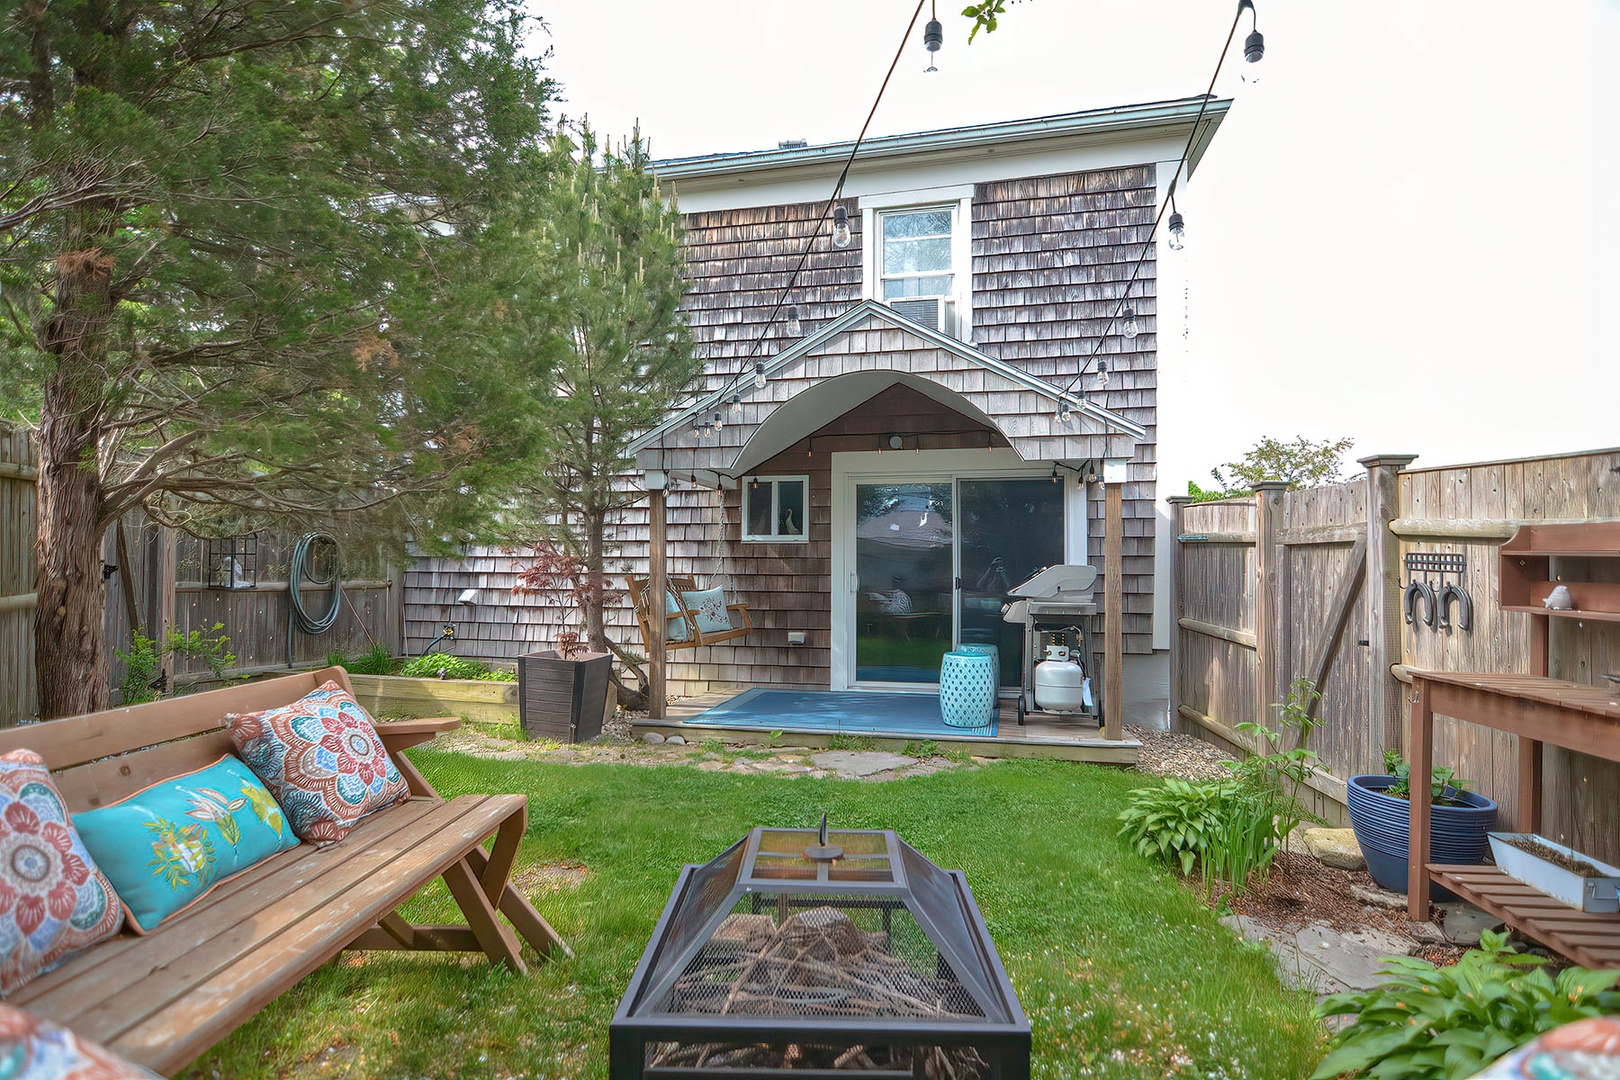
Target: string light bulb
1254,46
794,326
718,422
840,233
759,374
1178,231
933,38
1102,374
1130,329
1063,413
736,404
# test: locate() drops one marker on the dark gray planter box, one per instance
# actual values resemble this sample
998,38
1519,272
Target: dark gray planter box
562,698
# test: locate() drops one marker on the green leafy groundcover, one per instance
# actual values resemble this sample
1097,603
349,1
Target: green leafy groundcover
1123,972
1429,1023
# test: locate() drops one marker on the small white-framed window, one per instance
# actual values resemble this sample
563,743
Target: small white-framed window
775,509
915,252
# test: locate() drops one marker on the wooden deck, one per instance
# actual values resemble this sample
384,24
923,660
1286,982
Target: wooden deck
1037,739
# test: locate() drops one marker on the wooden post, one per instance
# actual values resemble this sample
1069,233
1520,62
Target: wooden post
1268,629
1114,613
657,589
1383,628
1421,756
1178,605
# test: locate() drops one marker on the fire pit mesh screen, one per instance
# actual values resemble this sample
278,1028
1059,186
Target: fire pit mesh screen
847,951
844,956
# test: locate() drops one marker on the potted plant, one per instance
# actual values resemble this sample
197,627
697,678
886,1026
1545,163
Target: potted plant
1381,814
562,692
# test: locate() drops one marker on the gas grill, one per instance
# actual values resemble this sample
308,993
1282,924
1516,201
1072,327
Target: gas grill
1057,600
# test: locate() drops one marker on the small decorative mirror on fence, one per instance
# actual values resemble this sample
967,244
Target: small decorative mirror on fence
1435,593
231,562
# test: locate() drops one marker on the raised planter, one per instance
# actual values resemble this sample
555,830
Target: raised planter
563,698
1592,892
477,700
1383,825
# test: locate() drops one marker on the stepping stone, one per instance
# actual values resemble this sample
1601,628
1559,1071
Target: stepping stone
1464,921
1373,896
861,762
790,767
1336,848
710,766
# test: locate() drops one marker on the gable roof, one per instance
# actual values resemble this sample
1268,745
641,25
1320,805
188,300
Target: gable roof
852,318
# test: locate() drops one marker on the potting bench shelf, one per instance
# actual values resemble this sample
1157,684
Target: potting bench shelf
1538,710
1590,940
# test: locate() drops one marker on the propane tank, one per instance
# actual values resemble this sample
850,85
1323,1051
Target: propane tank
1061,685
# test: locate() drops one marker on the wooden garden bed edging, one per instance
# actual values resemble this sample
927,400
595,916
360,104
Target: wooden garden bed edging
164,998
475,700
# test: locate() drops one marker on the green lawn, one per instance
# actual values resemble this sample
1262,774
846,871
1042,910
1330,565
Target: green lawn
1123,971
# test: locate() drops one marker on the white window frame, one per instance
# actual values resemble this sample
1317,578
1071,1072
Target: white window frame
775,537
959,200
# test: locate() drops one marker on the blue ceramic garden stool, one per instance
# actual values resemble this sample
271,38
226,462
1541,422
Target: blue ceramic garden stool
992,651
967,690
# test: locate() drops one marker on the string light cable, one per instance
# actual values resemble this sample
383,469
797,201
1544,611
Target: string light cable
755,370
1254,49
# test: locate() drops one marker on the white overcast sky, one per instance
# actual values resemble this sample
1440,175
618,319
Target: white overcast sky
1404,232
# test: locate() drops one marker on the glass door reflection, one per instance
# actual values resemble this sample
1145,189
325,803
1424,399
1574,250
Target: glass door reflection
904,569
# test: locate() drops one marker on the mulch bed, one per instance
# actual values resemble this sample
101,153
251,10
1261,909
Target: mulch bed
1301,890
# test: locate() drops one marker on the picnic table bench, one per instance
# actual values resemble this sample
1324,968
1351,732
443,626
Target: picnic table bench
164,998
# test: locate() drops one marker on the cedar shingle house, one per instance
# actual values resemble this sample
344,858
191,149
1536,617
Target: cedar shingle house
887,462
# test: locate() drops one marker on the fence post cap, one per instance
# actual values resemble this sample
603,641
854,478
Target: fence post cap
1386,461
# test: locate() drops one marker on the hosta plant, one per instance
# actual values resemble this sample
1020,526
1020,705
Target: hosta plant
1179,820
1429,1023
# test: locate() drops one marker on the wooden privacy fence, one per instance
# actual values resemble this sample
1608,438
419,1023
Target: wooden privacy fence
1308,584
160,584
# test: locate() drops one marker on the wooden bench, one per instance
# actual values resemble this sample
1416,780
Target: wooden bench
165,998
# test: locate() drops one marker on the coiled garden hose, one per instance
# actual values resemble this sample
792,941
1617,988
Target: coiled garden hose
300,567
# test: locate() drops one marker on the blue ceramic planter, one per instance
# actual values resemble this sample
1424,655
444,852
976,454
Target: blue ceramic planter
1383,825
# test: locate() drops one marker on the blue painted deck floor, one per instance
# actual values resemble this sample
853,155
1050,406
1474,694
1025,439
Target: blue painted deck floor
852,712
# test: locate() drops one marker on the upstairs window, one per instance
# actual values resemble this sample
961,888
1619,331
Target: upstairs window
774,509
914,258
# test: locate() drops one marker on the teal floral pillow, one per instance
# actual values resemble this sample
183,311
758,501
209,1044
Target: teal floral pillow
166,846
674,629
708,608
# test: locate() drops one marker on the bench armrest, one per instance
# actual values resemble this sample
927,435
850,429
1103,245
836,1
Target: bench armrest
396,735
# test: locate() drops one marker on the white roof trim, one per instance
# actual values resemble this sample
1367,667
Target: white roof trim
741,383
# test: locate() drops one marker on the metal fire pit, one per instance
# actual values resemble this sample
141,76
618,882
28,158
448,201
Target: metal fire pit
798,954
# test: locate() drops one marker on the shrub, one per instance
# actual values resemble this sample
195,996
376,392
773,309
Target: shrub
1178,821
1430,1023
376,661
144,676
443,666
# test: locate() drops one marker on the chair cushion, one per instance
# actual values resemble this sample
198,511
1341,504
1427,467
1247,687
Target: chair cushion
708,608
53,899
35,1049
674,629
165,847
322,759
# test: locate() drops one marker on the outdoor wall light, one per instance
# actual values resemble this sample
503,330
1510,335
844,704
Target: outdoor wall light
794,326
1130,328
1254,46
840,235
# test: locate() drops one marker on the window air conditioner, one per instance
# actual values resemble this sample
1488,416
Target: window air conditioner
934,312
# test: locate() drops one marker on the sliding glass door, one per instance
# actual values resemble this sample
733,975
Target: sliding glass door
924,560
905,560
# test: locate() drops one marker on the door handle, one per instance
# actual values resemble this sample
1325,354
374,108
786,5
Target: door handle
958,584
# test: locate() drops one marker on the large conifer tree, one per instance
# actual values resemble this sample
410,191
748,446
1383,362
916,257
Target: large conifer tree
250,265
604,306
